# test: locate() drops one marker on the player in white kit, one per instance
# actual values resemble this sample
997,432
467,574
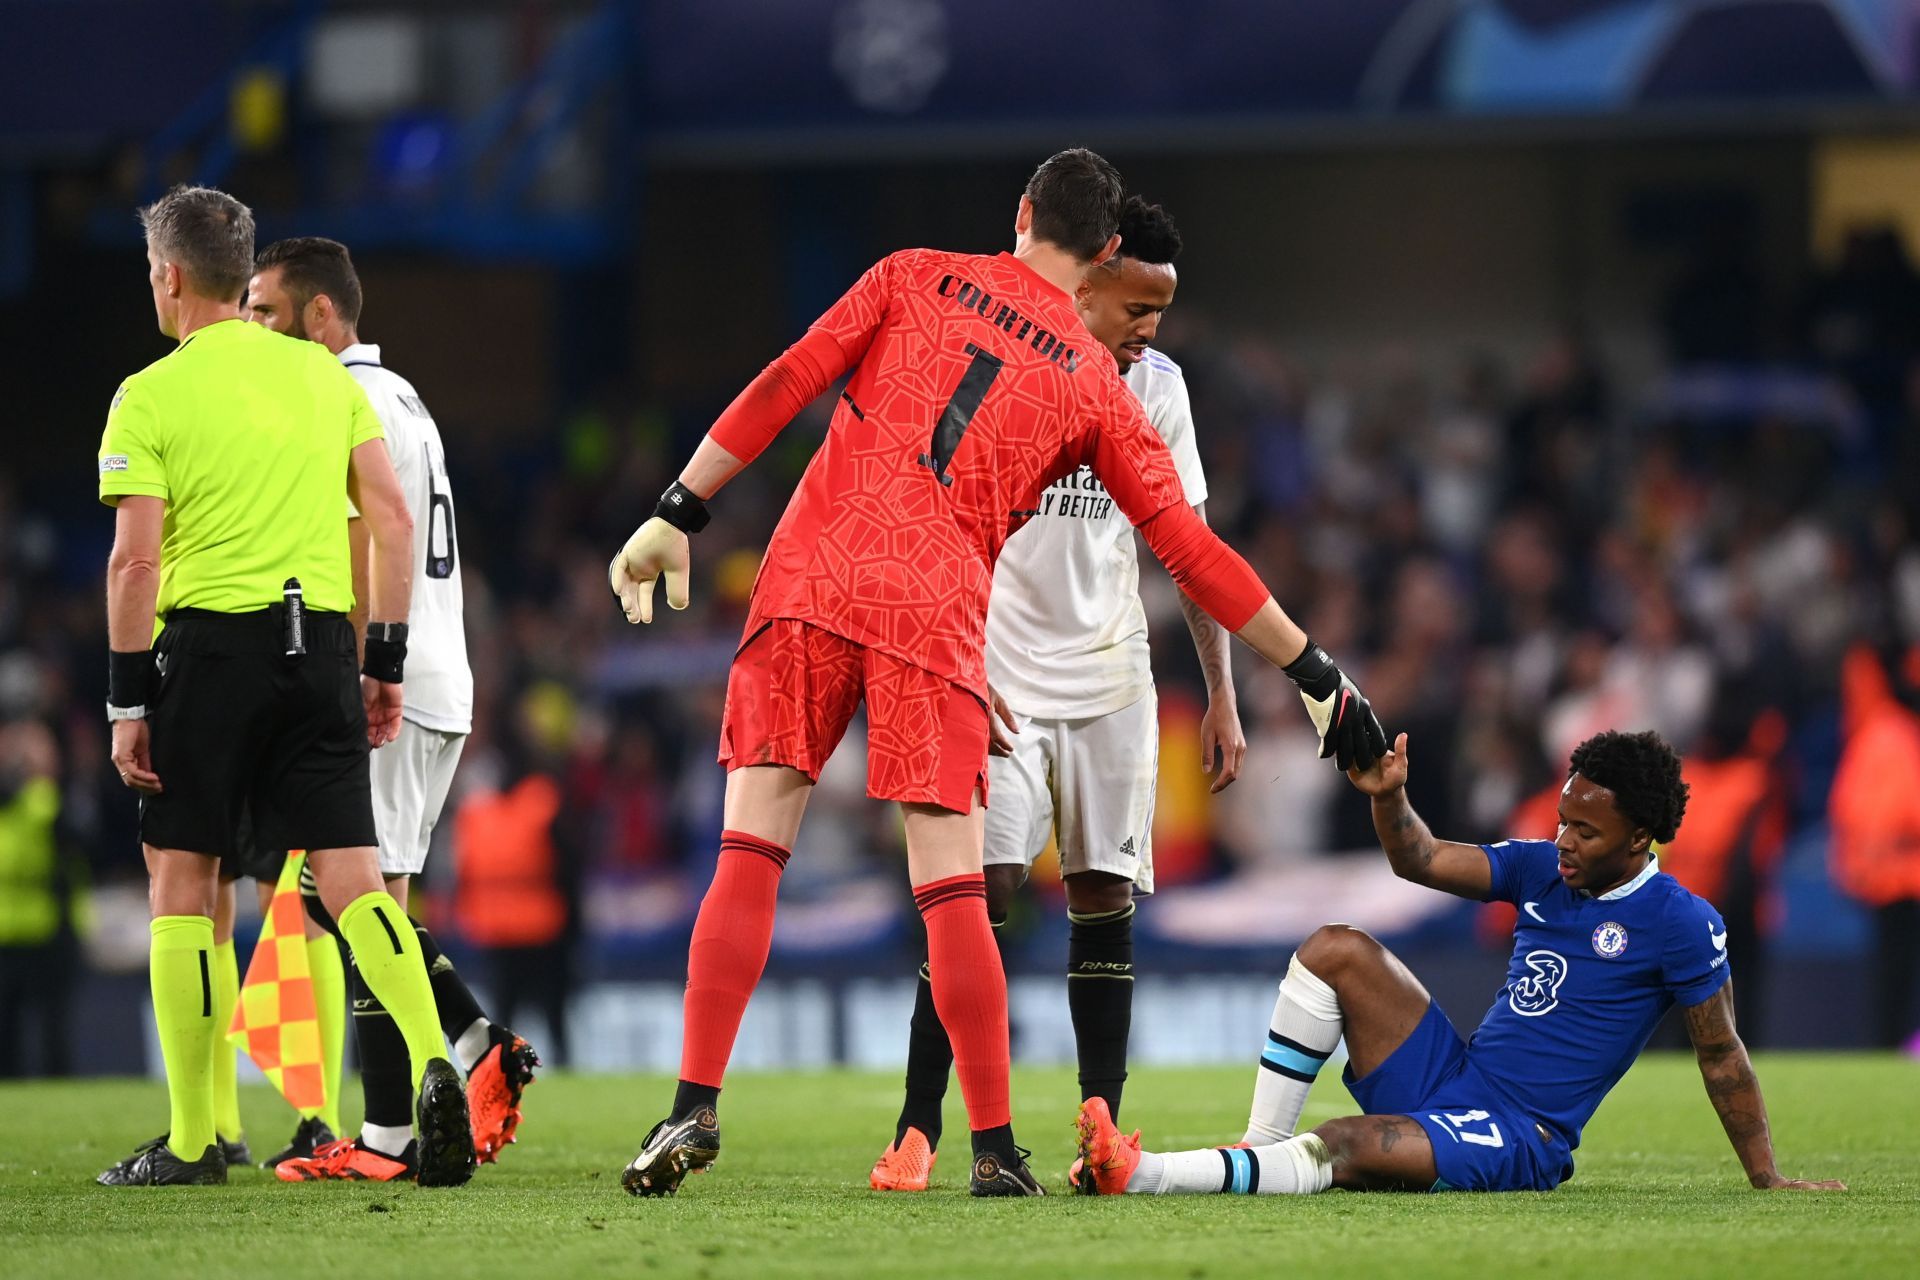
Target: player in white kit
307,288
1067,656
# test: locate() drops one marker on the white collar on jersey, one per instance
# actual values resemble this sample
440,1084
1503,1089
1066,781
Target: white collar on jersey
1651,870
361,353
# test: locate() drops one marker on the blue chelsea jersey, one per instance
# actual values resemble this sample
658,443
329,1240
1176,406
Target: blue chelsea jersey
1589,980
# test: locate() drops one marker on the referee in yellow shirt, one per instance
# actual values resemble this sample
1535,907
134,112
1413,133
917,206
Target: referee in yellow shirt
230,463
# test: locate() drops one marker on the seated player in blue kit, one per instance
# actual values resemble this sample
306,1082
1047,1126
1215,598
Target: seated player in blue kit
1605,943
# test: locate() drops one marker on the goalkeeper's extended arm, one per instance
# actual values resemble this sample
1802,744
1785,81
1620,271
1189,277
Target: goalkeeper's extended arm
1215,577
659,547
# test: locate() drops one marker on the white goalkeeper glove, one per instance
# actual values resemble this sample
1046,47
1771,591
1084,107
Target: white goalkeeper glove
655,549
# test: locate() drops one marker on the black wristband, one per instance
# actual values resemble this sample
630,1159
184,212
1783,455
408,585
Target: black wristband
129,678
682,508
386,660
1313,671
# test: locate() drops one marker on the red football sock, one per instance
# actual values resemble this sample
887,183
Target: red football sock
731,937
970,992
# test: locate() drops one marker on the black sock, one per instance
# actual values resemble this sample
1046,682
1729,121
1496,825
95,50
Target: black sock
386,1072
690,1097
997,1141
929,1064
1100,998
458,1009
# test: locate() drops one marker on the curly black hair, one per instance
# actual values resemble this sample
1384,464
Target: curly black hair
1643,773
1147,233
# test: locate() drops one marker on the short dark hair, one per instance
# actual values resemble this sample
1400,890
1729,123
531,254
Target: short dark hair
1643,773
313,265
207,234
1147,233
1076,201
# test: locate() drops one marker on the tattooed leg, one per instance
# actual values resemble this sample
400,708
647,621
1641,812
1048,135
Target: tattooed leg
1379,1153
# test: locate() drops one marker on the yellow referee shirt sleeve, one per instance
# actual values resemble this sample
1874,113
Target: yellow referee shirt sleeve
130,461
366,422
366,426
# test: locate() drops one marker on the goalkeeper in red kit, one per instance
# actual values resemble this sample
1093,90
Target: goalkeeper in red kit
974,385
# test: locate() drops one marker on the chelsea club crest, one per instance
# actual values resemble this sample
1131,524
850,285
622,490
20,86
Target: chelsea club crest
1609,940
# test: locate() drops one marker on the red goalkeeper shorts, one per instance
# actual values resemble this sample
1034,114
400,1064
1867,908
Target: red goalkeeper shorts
794,688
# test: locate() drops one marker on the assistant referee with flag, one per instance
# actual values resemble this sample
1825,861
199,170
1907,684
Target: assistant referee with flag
230,464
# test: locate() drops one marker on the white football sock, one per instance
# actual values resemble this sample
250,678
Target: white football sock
1305,1029
387,1139
473,1045
1299,1166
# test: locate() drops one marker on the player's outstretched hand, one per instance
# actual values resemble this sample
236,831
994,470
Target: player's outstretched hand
1222,738
1802,1184
1386,775
656,549
999,725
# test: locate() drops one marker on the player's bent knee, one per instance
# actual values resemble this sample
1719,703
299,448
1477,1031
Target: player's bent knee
1334,948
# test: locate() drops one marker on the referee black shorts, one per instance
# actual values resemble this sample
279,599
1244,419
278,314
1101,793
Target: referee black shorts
239,729
252,857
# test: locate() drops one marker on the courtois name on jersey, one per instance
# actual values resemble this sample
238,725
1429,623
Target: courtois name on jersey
439,683
1066,633
1589,980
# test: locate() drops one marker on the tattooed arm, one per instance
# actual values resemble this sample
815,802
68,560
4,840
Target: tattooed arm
1735,1092
1220,730
1412,850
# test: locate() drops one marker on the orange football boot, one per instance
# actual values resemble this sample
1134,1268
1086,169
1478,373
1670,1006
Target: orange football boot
345,1160
905,1165
1107,1156
494,1089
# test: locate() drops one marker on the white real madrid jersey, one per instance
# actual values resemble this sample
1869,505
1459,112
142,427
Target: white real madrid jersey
439,685
1066,633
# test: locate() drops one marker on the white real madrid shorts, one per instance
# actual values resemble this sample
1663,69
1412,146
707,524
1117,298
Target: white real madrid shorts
411,777
1090,782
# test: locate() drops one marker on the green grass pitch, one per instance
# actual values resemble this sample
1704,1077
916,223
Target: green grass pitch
1658,1192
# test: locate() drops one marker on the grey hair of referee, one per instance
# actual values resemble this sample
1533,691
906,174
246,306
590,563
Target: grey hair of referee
199,243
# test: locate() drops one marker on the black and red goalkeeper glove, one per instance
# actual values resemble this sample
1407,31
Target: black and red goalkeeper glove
1348,729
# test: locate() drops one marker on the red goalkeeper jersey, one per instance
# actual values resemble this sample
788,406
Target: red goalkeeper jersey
974,386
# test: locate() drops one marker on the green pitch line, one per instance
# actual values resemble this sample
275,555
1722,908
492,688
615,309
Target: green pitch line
1658,1193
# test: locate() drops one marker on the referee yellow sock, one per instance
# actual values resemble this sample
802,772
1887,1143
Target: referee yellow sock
180,968
330,1001
388,954
226,1058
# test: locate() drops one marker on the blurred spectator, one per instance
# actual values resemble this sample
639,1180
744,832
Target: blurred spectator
42,896
1875,811
1729,847
512,897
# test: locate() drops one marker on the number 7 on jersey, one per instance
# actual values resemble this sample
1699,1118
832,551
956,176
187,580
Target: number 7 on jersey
954,420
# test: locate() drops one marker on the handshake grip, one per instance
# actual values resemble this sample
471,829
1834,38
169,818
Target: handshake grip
1349,731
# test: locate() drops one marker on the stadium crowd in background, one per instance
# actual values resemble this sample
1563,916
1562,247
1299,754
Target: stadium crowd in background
1514,558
